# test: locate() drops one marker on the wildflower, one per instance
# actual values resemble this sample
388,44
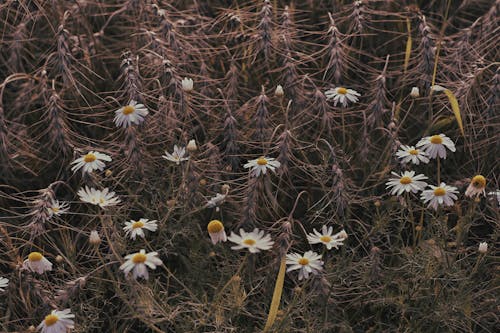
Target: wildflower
261,165
57,322
57,208
254,241
187,84
495,194
4,282
410,154
94,238
216,231
177,156
439,195
215,201
191,146
36,262
342,95
406,182
279,91
435,145
326,237
138,263
483,247
414,92
133,113
476,186
102,198
90,162
308,263
135,228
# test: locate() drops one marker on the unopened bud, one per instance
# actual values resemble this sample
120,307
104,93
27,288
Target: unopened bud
59,259
187,84
414,92
279,92
483,247
94,238
191,146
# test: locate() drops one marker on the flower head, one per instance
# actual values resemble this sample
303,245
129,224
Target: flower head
102,198
439,195
4,282
90,162
254,241
342,95
133,113
57,322
414,92
406,182
136,228
325,237
57,208
139,262
261,165
308,263
476,187
36,262
410,154
177,156
216,231
187,84
436,145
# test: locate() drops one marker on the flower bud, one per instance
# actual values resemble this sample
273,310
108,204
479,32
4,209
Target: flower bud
187,84
279,91
94,238
414,92
483,247
191,146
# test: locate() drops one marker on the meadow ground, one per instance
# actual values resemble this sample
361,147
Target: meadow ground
249,166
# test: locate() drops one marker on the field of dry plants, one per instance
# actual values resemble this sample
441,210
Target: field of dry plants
249,166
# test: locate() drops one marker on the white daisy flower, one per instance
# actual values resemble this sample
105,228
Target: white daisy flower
495,194
342,95
187,84
138,263
177,156
57,322
406,182
90,162
136,228
4,282
254,241
36,262
410,154
476,187
308,263
216,231
326,237
261,165
57,208
439,195
435,145
133,113
102,198
215,201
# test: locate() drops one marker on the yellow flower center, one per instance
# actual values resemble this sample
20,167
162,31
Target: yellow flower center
215,226
51,319
325,239
35,256
139,258
55,209
249,241
439,192
128,110
479,181
342,91
405,180
89,158
303,261
413,152
436,139
137,224
101,200
262,161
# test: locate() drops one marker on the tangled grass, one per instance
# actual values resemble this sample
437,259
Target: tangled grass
67,66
